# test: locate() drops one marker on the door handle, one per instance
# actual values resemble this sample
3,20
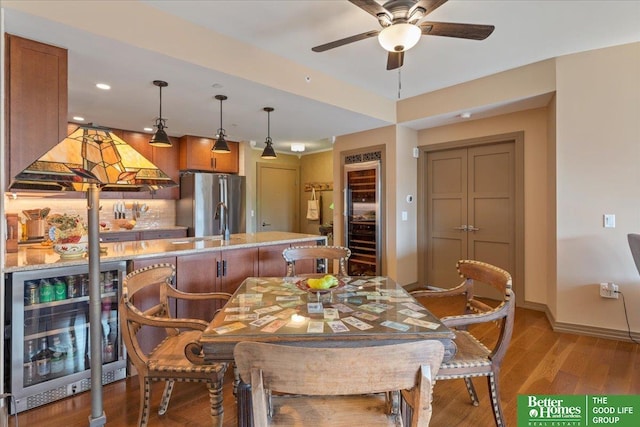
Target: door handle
461,228
472,228
264,224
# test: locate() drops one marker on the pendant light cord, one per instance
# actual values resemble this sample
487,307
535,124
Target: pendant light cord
399,82
160,118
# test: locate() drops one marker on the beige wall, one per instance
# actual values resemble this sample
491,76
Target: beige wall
316,168
534,125
551,208
598,172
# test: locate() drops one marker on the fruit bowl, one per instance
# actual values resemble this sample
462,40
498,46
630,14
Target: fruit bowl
70,250
304,285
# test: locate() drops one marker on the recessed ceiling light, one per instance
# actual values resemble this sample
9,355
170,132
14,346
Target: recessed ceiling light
148,129
103,86
465,115
78,118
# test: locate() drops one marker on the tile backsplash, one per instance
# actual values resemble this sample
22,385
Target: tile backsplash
160,213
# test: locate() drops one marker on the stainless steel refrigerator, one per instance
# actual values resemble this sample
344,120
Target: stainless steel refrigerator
201,194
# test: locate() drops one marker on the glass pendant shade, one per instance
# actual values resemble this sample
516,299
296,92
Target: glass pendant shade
221,146
160,138
399,37
268,153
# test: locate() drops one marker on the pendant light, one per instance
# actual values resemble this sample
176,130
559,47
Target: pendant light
160,138
220,145
268,152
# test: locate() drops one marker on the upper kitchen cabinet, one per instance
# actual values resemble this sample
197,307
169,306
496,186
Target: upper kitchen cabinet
196,154
36,101
165,158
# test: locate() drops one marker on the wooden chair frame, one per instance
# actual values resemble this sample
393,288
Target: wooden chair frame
473,358
179,356
308,373
295,253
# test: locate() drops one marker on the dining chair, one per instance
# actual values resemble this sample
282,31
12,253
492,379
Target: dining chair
297,253
178,357
634,245
473,358
333,387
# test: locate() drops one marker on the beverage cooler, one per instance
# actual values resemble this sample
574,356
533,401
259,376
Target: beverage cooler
49,332
362,217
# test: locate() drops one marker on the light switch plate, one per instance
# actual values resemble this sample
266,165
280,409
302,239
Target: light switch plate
609,221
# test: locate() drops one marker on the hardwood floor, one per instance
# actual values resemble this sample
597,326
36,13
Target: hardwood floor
539,361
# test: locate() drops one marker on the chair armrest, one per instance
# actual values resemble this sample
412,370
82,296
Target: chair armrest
473,318
165,322
175,293
439,293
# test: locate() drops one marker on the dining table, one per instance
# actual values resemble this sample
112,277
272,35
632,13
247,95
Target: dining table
356,311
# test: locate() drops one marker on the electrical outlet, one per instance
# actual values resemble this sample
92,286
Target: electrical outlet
609,290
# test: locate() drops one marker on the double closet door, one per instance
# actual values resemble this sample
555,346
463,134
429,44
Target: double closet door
470,209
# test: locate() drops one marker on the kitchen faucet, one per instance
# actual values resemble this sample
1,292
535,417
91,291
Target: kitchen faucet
223,211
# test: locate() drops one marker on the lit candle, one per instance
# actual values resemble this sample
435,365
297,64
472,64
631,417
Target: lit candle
296,318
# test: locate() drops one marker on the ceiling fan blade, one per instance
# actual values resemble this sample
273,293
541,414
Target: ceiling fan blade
372,7
461,31
395,60
428,6
347,40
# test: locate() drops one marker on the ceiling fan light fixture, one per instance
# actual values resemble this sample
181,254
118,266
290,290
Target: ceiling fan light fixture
269,153
220,146
160,138
399,37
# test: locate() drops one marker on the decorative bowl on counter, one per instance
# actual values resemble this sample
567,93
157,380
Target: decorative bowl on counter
70,250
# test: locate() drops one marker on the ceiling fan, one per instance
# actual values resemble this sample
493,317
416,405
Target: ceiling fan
403,23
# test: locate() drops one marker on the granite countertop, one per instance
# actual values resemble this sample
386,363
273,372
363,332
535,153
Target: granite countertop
37,257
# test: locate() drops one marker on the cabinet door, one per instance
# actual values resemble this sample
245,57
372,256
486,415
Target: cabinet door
227,162
36,99
195,153
167,159
237,265
270,261
149,337
140,142
198,273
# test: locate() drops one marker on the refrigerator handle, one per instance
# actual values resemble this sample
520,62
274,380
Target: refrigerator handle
218,269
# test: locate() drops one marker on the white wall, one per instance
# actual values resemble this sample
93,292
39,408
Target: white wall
598,172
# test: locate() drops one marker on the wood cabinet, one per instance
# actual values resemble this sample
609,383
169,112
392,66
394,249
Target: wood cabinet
165,158
213,272
149,337
196,154
36,101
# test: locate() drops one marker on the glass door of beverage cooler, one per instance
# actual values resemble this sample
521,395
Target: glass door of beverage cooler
50,333
362,218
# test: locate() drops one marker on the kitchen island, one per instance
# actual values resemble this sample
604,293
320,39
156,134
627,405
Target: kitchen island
37,256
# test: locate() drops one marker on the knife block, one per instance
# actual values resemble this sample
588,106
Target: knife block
13,232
